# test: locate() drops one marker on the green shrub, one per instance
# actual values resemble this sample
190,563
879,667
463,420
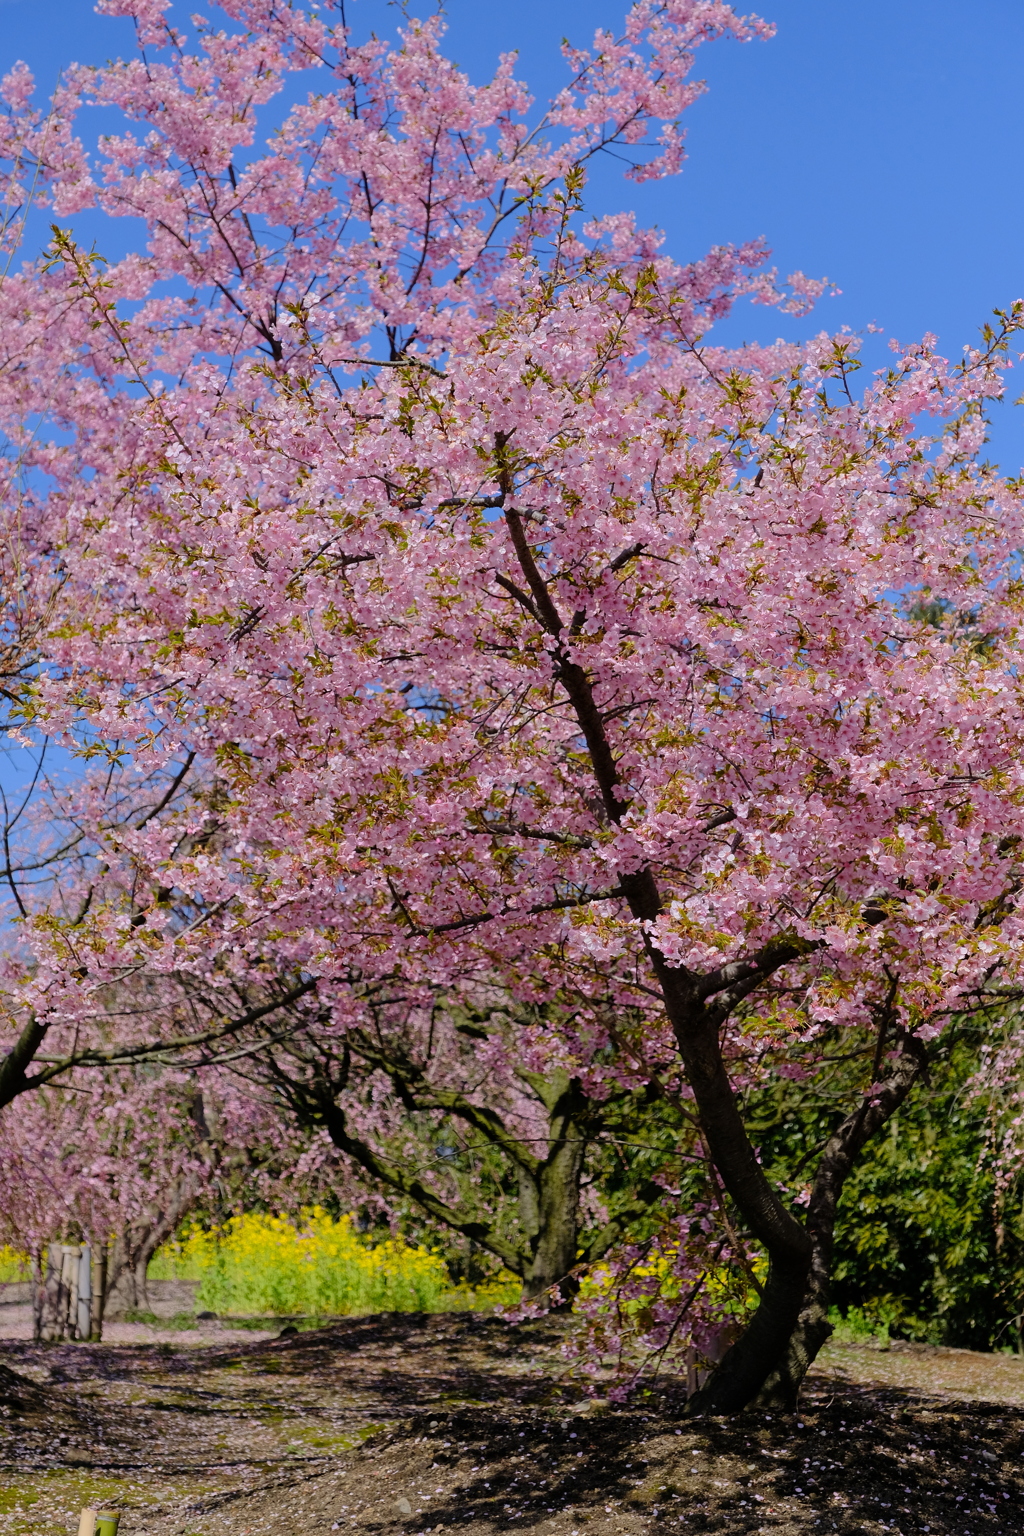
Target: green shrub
921,1249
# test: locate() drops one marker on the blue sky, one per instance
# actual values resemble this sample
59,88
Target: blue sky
879,144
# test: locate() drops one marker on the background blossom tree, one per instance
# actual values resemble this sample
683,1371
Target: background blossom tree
121,1160
497,1123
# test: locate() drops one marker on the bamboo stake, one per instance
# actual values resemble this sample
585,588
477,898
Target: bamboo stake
50,1304
38,1295
87,1523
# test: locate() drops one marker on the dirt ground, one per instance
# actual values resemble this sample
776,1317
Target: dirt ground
399,1425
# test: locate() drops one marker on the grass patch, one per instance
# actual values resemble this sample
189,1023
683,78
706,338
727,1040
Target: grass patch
48,1503
315,1266
315,1439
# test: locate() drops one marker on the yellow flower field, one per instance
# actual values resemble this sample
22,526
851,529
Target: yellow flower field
13,1265
315,1265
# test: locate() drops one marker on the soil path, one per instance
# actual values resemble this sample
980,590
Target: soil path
400,1425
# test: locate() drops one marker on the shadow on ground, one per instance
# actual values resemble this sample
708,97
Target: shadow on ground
402,1424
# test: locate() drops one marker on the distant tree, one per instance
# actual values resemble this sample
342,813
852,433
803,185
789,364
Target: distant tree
121,1160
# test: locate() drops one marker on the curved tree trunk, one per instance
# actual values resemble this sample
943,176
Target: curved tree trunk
697,1006
768,1363
549,1187
741,1373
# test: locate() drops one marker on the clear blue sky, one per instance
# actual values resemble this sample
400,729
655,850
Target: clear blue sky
878,143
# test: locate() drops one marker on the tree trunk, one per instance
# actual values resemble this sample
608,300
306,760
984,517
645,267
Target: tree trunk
139,1241
121,1271
747,1365
14,1079
549,1188
557,1185
139,1284
697,1007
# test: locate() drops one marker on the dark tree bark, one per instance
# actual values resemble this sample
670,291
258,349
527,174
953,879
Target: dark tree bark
740,1375
14,1079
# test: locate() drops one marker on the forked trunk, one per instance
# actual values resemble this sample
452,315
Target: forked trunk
697,1007
128,1268
547,1247
770,1359
740,1375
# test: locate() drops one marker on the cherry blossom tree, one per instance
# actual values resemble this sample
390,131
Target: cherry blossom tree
789,766
489,620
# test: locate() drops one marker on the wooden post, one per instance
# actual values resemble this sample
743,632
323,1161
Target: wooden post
72,1260
99,1291
54,1306
87,1523
38,1295
83,1311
